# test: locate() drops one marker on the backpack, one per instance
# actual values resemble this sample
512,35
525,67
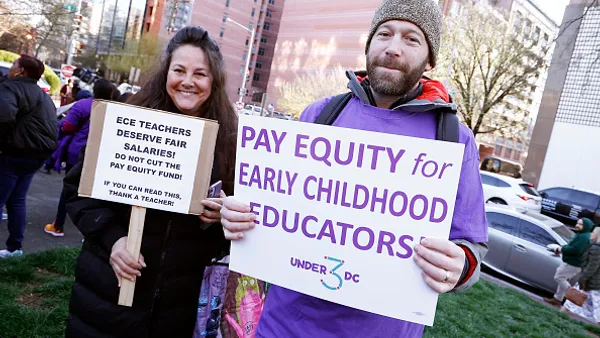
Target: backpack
447,121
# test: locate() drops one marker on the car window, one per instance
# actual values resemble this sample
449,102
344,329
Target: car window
528,188
557,193
534,234
487,180
502,184
583,198
564,232
501,222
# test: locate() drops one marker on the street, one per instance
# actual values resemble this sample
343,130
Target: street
42,201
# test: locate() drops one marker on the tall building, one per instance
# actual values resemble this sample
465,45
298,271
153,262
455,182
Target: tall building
317,35
565,139
165,17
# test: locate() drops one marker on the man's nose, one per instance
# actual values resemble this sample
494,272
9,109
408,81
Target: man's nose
394,47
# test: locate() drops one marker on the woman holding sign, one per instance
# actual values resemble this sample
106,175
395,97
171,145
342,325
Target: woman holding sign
175,247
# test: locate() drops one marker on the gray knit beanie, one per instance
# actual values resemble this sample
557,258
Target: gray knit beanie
426,14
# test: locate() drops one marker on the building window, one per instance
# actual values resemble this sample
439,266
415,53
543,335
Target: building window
226,3
256,77
527,28
545,40
508,153
242,68
250,26
455,10
258,65
150,10
271,2
266,26
222,32
224,17
253,10
269,14
518,21
247,41
244,56
147,26
261,52
498,150
536,34
263,39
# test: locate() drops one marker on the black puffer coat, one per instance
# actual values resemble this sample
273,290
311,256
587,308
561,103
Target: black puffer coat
175,249
28,124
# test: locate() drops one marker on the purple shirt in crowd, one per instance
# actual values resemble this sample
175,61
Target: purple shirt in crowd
79,115
291,314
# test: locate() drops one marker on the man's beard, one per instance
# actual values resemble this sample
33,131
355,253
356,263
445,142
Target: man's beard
397,84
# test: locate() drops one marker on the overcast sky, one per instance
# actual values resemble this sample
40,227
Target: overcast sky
553,8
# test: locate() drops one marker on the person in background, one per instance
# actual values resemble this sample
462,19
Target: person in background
572,257
73,134
27,137
589,282
65,93
124,97
402,44
175,248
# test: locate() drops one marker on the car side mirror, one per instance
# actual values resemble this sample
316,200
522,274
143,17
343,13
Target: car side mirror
544,195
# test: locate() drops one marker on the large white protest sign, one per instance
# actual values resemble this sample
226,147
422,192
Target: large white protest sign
148,158
340,210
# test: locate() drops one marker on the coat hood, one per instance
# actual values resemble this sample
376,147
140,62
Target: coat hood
434,94
588,225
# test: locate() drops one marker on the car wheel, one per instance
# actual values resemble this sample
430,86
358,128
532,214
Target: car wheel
497,201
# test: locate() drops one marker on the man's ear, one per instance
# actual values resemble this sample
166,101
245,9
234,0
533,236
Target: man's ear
428,67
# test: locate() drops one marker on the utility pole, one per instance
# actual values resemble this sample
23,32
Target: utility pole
248,58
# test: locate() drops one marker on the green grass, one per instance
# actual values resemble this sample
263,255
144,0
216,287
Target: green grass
35,291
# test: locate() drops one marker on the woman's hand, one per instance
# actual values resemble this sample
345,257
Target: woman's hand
212,209
236,218
123,264
442,263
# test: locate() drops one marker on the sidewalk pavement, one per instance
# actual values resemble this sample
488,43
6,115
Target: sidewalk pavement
42,202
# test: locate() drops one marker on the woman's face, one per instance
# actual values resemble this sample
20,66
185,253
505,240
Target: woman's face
189,80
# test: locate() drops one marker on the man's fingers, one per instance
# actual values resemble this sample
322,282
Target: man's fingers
237,226
223,195
235,205
236,216
435,285
436,273
434,257
232,236
443,246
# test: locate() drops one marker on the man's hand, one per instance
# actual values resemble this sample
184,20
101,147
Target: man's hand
123,264
236,218
442,263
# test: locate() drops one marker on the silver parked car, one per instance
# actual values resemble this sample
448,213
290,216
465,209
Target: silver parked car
520,245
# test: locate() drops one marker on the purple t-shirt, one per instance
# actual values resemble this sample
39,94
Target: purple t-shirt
291,314
79,115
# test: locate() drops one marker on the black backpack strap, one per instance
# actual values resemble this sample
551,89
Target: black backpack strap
447,125
333,109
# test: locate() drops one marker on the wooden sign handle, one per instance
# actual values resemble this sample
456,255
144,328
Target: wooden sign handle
134,242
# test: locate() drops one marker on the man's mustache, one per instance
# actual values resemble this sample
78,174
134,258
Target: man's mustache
391,64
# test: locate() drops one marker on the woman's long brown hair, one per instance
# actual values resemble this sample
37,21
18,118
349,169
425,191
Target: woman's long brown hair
154,95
